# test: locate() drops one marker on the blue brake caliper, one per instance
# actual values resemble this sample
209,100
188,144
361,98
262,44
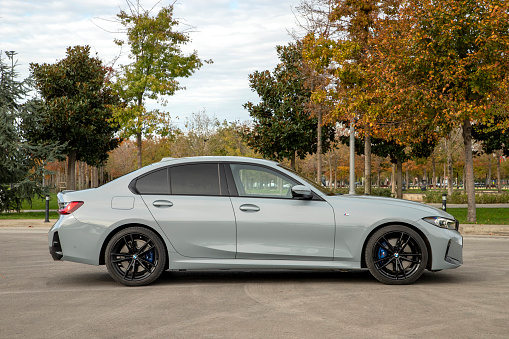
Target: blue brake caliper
382,253
149,256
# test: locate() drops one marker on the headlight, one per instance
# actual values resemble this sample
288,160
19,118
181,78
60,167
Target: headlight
442,222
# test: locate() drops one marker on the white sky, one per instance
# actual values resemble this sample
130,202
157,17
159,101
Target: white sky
240,36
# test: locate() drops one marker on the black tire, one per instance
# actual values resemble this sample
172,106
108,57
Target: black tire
135,256
396,255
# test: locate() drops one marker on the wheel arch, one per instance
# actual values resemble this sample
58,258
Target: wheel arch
102,260
412,227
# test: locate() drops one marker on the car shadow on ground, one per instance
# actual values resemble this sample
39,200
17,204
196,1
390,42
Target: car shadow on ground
101,278
286,276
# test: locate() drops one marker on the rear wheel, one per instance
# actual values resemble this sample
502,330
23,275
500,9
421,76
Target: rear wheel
396,255
135,256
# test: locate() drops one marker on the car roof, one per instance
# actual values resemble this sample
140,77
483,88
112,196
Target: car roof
217,159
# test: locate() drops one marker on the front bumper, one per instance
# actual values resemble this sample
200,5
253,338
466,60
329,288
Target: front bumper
454,252
446,246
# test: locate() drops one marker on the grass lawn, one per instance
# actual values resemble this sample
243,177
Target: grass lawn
489,216
29,215
40,204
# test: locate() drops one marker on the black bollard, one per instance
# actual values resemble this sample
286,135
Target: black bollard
47,208
444,201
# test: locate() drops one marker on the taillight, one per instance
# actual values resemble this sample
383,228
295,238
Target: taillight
70,207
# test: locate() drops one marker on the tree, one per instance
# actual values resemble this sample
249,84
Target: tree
494,141
397,153
157,61
77,108
342,51
443,65
21,163
283,127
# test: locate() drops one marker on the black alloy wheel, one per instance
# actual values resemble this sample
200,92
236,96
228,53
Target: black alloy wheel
135,256
396,255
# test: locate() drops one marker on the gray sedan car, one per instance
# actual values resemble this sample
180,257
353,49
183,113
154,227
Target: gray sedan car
240,213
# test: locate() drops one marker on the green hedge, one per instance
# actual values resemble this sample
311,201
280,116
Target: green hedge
461,198
381,192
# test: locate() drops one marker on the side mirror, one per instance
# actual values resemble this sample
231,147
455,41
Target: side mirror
301,192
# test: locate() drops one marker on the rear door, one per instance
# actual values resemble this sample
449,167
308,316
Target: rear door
190,202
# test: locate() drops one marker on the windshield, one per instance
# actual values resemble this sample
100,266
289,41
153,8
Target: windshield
311,182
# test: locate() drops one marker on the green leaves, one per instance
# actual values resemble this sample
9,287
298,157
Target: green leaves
157,61
282,122
21,162
77,106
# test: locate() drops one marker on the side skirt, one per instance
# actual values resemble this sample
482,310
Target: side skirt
204,263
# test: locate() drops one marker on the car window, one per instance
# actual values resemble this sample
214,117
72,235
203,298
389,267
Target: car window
257,181
195,179
154,183
321,188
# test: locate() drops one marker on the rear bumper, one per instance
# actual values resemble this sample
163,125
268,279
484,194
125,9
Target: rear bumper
55,248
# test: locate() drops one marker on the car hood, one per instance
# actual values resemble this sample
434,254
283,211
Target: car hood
367,200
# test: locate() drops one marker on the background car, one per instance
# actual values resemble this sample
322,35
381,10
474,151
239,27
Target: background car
243,213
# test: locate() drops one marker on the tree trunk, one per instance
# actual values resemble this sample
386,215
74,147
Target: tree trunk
393,179
378,172
352,159
425,177
96,176
407,179
434,178
367,165
499,181
319,149
138,142
87,176
71,171
449,170
58,185
292,161
335,174
445,173
330,170
81,181
469,170
399,179
464,179
488,181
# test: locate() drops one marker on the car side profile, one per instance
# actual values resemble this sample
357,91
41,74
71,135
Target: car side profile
206,213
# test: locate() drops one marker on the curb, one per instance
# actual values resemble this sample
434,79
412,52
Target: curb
26,223
474,229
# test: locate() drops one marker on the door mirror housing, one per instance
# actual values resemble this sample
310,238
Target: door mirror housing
301,192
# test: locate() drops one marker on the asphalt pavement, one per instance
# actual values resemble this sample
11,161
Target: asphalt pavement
41,298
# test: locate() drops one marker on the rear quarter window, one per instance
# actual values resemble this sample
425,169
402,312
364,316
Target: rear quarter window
156,182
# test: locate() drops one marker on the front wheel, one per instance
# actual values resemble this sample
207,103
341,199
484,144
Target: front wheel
396,255
135,256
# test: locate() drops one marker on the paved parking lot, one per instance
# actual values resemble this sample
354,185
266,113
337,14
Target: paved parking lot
40,298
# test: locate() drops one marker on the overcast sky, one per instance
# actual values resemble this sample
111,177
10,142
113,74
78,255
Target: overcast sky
240,36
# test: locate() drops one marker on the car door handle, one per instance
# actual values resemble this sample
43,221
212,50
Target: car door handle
162,203
249,208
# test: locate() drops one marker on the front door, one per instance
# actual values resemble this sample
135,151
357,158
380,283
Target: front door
273,225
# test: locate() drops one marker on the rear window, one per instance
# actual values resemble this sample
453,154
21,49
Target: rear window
195,179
